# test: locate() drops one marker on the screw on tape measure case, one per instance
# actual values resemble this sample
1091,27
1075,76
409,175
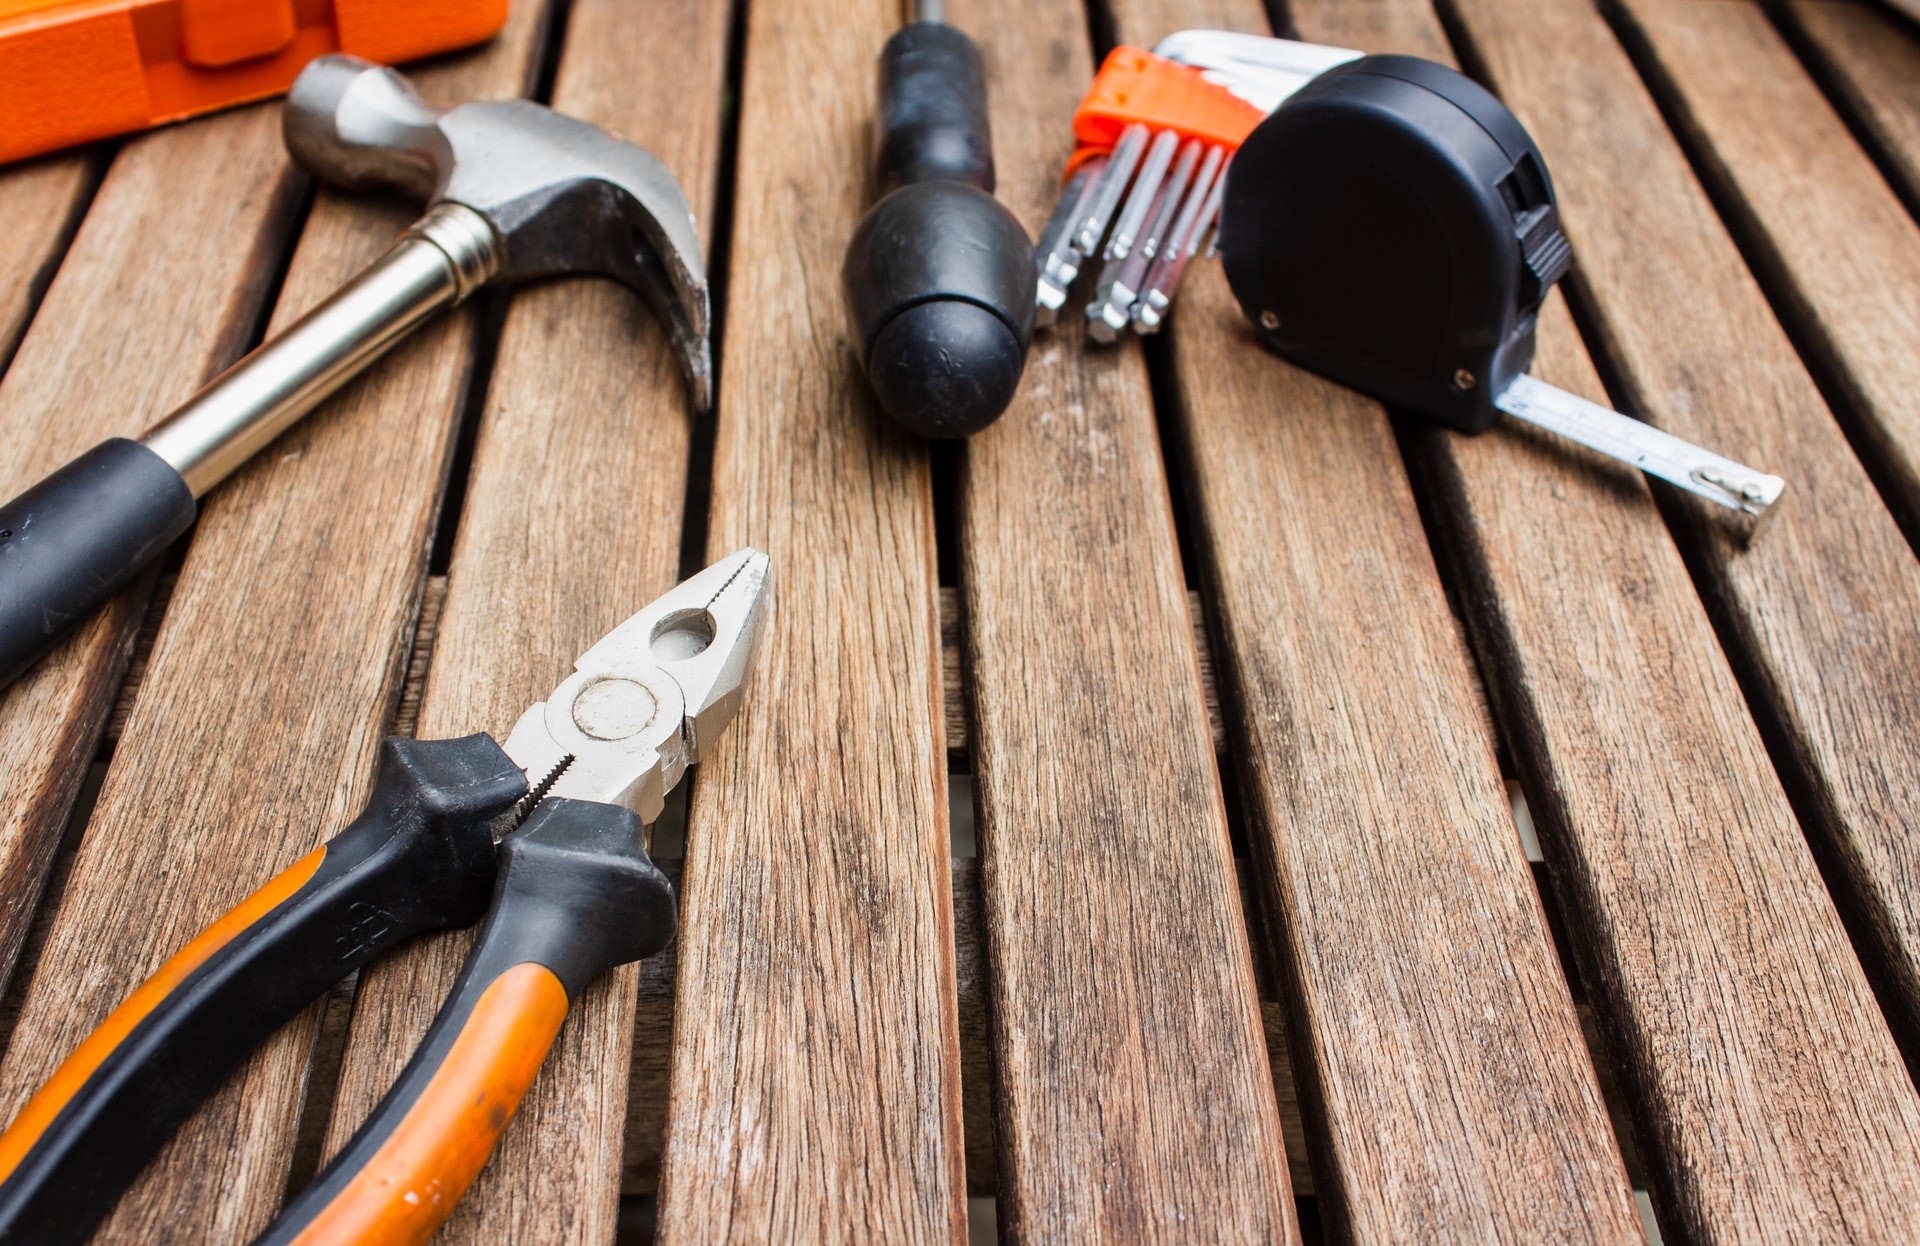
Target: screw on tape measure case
76,70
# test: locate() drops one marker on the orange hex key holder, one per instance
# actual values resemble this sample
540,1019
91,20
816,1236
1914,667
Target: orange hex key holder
1138,87
1154,134
543,836
76,70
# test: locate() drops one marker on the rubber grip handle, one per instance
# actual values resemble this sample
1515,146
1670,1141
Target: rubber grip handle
577,895
420,856
933,109
68,543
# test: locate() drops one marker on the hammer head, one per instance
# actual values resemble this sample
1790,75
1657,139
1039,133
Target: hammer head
563,196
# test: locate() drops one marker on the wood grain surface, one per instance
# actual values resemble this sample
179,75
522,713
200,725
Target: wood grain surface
646,1098
816,1070
1715,934
1439,1053
953,700
1871,58
1846,261
571,524
275,669
1839,252
793,1069
1132,1093
42,201
159,289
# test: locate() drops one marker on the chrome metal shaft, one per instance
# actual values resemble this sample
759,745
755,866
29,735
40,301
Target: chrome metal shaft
445,256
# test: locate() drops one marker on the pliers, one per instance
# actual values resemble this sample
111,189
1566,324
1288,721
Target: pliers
544,837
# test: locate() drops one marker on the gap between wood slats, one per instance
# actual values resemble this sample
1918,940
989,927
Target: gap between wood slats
1840,277
1863,382
43,202
53,407
490,315
1681,332
264,1114
1867,60
699,492
646,1117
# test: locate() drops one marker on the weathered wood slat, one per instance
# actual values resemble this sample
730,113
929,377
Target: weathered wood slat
274,671
1847,257
1132,1093
1772,1094
646,1112
816,1072
41,201
1434,1036
159,289
647,1095
572,523
952,698
1871,56
1839,248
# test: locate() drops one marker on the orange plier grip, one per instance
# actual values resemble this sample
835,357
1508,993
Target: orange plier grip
419,857
576,896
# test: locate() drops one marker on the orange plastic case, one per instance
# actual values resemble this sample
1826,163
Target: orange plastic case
76,70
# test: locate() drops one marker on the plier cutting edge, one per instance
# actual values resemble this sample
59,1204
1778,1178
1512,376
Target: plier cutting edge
544,837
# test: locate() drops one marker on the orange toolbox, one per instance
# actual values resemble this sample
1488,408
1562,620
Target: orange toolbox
76,70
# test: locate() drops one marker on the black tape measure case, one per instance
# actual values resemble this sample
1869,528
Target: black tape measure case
1392,227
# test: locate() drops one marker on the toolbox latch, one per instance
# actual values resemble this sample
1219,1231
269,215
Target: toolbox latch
221,32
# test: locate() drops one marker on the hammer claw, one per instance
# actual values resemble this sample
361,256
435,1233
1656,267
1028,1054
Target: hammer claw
561,195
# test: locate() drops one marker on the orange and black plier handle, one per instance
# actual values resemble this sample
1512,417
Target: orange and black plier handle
568,893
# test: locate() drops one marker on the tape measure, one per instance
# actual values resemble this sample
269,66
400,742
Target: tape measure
1392,226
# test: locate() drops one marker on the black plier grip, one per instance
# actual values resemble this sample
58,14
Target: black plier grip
419,857
576,896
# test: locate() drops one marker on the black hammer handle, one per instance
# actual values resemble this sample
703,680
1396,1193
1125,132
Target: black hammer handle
68,543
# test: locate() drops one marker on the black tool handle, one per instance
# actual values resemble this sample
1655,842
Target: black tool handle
933,109
420,856
576,896
69,542
939,275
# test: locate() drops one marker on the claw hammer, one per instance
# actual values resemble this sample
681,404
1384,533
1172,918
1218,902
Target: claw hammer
514,191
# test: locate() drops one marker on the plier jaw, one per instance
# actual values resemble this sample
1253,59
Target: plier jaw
650,698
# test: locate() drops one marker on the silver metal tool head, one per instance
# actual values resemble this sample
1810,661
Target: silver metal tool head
561,195
652,696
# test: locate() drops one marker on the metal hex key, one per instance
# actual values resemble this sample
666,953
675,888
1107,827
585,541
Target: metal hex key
1110,311
1160,189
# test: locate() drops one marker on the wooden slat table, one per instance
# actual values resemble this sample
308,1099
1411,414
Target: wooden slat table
1122,838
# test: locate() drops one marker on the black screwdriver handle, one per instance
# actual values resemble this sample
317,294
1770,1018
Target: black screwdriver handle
419,857
68,543
576,896
933,109
939,276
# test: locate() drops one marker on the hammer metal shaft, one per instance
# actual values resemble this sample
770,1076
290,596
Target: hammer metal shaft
516,192
445,256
